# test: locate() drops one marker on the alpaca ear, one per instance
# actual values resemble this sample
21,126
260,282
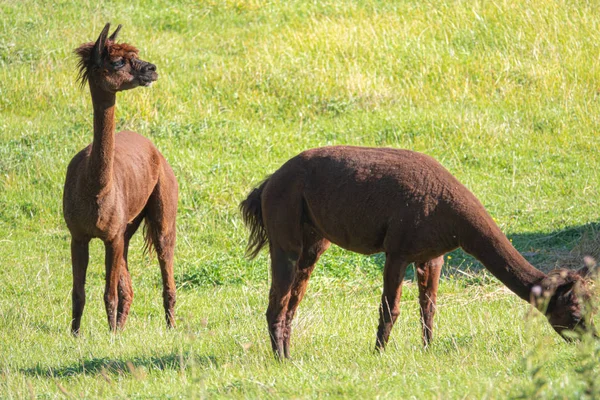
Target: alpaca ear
113,37
589,269
100,45
544,296
537,298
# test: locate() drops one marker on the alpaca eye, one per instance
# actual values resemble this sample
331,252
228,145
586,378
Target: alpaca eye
118,63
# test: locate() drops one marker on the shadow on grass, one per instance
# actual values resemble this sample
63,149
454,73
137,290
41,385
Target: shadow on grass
135,366
563,248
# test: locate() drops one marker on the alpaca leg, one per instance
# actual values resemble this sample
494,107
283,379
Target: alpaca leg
428,275
165,247
125,286
161,215
283,271
312,248
79,260
282,213
114,265
125,296
393,275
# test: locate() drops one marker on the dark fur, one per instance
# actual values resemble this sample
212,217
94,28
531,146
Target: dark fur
399,202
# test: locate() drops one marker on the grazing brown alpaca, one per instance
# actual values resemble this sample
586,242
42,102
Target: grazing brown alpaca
400,202
115,183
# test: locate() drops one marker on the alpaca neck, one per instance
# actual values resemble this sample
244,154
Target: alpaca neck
484,240
100,167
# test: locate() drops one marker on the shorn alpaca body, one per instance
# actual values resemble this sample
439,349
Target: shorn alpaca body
399,202
115,183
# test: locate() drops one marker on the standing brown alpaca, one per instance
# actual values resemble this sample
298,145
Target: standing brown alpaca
399,202
115,182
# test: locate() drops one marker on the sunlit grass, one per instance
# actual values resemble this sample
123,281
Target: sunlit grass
504,94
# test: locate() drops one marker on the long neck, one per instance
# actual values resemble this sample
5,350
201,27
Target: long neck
100,167
482,238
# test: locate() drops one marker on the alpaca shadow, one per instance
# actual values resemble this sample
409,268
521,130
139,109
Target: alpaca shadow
135,366
563,248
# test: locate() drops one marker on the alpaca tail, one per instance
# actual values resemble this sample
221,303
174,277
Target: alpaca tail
148,243
252,215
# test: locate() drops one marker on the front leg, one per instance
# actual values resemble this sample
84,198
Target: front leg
114,262
393,275
125,296
313,247
79,259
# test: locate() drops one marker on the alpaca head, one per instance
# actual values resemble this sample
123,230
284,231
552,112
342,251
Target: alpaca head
565,299
111,66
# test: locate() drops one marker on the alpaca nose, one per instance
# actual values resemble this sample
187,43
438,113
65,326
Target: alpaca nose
149,67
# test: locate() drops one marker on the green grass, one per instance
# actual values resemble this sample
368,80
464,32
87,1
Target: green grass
486,345
504,94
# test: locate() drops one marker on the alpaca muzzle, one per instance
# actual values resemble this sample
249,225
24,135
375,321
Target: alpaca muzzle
147,72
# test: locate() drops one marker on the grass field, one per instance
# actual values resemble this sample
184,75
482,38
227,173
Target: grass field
505,94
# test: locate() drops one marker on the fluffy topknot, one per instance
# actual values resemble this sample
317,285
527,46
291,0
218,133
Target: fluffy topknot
111,49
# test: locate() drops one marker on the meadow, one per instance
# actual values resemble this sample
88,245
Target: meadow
505,94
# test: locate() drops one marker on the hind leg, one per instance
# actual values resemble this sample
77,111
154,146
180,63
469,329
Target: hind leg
283,271
165,248
428,275
282,213
313,246
393,275
161,216
125,286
